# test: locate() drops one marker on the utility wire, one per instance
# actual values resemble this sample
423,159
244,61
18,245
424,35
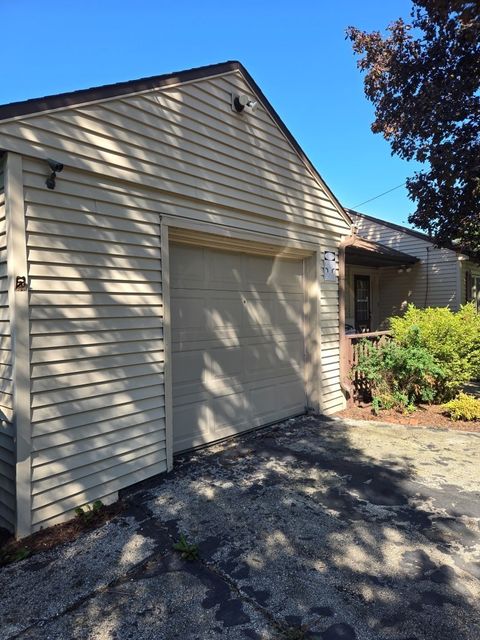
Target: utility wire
379,195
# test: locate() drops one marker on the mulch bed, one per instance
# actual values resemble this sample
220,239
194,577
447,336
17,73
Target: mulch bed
12,550
424,416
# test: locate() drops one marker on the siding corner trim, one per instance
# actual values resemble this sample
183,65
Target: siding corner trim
19,318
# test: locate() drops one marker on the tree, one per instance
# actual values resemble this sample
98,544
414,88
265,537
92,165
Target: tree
423,79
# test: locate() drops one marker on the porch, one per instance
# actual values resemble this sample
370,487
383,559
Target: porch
370,269
369,274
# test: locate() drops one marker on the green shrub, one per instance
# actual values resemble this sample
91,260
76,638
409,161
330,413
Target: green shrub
463,407
451,338
400,375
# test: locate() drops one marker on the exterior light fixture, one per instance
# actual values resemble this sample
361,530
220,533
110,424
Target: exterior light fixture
241,102
56,167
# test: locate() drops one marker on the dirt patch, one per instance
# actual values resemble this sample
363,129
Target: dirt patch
424,416
12,550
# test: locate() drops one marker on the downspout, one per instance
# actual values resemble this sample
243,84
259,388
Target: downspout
345,382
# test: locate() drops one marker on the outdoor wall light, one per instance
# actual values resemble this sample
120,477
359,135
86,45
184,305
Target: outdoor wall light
242,102
56,167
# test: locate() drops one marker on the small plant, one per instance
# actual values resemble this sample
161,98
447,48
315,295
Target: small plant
11,555
21,554
463,407
87,513
394,400
186,550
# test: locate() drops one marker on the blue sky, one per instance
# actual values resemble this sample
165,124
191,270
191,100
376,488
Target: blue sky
295,50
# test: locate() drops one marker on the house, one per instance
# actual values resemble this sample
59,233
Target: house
169,260
419,272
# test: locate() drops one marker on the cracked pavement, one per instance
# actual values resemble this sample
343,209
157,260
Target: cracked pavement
313,528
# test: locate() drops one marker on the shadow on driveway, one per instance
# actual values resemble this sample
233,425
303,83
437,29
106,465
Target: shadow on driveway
308,529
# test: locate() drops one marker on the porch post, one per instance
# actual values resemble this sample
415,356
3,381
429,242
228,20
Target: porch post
344,359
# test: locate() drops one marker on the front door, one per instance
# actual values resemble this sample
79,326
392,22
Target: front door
362,303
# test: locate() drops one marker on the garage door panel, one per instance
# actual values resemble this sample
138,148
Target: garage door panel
187,266
224,270
184,313
237,343
222,314
199,360
208,314
226,363
284,398
191,418
274,309
231,337
273,273
208,390
189,366
229,410
265,357
258,270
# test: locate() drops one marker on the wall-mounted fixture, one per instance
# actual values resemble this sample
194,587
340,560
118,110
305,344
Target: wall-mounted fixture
21,283
56,167
241,102
404,269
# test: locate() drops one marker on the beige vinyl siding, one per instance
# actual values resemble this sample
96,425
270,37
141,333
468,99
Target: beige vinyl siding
98,418
177,154
97,361
433,282
185,140
7,446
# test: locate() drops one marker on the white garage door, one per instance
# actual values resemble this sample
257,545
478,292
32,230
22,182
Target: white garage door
237,342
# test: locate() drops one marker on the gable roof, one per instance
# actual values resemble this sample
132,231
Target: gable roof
104,92
418,234
412,232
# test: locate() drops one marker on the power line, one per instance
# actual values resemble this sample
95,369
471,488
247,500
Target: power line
379,195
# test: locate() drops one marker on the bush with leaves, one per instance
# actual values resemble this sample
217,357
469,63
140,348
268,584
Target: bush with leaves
400,374
452,339
463,407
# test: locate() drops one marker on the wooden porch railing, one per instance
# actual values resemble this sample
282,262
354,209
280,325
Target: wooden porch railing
357,344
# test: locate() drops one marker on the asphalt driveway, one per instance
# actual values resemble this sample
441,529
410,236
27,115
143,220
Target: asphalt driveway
310,529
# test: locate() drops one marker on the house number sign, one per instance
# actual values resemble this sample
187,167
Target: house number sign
329,266
21,283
